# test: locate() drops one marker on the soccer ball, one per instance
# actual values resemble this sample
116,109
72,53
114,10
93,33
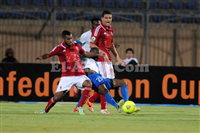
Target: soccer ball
129,107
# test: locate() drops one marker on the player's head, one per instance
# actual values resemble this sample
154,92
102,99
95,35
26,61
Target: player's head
129,53
67,37
9,52
96,51
95,22
106,18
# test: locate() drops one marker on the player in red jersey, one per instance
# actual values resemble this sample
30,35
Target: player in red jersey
72,71
102,37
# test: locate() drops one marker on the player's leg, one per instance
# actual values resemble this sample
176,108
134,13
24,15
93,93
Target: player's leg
76,108
105,72
89,104
94,97
63,86
57,97
104,91
103,105
76,91
86,84
124,88
124,91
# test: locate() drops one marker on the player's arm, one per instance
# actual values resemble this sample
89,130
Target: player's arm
81,40
101,52
90,54
114,51
55,51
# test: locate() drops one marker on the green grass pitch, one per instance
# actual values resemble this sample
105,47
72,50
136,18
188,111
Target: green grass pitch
20,118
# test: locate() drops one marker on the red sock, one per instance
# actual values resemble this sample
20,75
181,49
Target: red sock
103,102
85,95
50,104
94,97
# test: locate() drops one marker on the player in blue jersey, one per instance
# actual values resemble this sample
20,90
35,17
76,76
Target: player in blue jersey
102,85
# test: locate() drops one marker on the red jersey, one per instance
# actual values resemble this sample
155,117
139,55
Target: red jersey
69,59
103,38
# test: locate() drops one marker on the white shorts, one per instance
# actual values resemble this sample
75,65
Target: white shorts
67,82
106,70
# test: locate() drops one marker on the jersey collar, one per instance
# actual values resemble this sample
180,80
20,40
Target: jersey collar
63,45
104,27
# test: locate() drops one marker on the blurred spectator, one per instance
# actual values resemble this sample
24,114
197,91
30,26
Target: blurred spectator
129,57
9,56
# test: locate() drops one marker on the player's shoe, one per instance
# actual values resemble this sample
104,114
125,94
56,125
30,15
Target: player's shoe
121,103
137,109
104,111
40,112
89,105
119,109
80,111
76,110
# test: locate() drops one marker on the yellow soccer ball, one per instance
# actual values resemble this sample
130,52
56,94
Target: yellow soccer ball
129,107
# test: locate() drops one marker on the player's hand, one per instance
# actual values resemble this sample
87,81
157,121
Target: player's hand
38,58
117,45
121,61
106,58
102,53
45,56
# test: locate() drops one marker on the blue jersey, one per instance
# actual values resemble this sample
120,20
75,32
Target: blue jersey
97,79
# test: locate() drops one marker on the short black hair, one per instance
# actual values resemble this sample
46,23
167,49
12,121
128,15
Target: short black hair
93,49
95,19
130,49
105,12
65,32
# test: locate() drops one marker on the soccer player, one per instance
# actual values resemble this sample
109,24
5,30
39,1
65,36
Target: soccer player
72,71
102,85
84,40
102,37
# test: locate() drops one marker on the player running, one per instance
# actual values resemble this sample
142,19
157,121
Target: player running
102,37
72,71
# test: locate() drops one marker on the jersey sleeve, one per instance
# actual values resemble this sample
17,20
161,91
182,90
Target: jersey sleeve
55,51
81,50
83,39
95,35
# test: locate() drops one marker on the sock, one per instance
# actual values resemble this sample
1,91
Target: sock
124,92
79,100
85,95
76,90
103,102
110,99
94,97
50,104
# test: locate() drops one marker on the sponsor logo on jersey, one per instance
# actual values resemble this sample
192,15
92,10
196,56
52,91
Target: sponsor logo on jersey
93,39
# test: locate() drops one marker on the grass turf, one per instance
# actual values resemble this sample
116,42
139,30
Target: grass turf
20,117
